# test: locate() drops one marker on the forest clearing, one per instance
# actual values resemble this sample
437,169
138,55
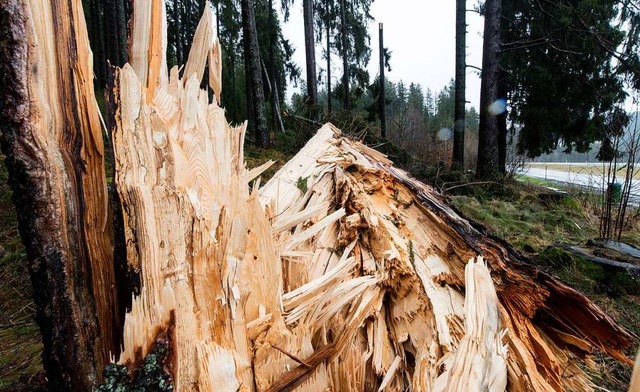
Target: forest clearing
160,260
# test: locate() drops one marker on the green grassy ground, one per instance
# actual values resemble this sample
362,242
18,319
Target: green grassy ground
533,223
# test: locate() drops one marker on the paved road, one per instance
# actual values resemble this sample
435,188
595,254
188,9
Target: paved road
593,181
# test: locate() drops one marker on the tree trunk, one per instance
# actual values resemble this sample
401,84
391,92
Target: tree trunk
186,27
310,52
382,99
276,119
502,124
253,71
53,142
112,33
121,28
328,68
345,62
488,133
95,36
461,69
177,38
322,279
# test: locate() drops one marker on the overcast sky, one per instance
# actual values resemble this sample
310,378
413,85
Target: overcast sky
421,36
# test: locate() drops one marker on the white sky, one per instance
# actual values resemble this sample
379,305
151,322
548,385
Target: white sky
421,37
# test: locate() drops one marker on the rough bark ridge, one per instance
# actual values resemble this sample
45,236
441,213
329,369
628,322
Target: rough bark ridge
53,141
253,72
488,132
461,70
346,94
310,52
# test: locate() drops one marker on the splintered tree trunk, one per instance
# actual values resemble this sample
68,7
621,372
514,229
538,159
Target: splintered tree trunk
341,273
52,138
488,132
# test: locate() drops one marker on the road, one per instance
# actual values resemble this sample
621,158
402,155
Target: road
592,181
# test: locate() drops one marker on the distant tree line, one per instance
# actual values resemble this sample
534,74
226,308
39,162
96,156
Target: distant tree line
555,70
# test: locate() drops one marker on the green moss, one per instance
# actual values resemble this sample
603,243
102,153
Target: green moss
151,377
302,184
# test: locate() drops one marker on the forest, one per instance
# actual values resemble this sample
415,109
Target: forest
584,53
173,218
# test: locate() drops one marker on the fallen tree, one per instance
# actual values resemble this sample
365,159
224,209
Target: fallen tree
340,273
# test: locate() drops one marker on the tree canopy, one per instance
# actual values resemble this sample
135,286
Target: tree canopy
566,64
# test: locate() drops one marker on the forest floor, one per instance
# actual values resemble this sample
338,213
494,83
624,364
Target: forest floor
514,211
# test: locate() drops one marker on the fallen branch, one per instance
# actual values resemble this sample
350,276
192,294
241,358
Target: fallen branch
579,251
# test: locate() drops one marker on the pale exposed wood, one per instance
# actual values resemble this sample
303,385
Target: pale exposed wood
635,379
341,273
202,47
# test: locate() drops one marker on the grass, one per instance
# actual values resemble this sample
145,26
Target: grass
527,221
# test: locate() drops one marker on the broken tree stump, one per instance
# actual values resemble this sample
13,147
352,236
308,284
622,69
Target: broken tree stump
52,137
363,279
341,273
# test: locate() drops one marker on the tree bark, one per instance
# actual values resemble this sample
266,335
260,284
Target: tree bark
115,26
177,41
276,120
382,98
459,111
95,36
310,52
488,133
121,28
253,71
53,142
328,67
345,62
502,124
186,28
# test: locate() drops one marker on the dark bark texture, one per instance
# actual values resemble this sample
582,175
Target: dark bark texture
310,52
51,136
328,68
382,99
177,41
461,65
253,71
345,62
488,133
